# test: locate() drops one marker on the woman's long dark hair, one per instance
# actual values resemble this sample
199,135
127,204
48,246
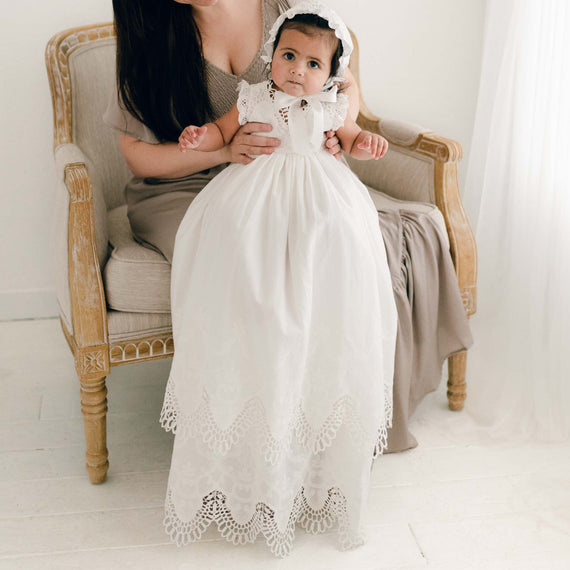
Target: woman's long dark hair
160,66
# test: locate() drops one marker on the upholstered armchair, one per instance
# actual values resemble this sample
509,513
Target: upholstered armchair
113,293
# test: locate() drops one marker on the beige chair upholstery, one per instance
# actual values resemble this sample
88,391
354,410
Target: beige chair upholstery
114,294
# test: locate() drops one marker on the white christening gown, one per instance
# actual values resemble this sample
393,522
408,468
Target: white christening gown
284,328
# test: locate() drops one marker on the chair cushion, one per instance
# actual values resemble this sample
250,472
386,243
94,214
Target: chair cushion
126,326
137,279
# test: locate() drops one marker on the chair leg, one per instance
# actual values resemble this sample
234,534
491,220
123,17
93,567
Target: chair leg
456,387
94,409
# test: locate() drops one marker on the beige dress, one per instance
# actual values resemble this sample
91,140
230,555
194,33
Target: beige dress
423,278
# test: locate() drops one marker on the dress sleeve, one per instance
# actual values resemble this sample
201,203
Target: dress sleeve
335,113
117,117
243,101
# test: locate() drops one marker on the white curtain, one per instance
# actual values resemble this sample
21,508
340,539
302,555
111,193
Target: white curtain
518,198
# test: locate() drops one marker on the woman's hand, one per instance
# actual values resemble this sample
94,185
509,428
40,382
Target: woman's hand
332,144
246,143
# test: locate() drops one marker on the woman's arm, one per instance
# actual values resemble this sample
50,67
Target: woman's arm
166,161
211,136
353,94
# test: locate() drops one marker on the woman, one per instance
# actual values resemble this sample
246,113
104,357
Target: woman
179,63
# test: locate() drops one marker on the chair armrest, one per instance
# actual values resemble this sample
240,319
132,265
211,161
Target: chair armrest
85,286
65,155
430,162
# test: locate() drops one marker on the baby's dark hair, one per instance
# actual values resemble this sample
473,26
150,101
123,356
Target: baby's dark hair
312,25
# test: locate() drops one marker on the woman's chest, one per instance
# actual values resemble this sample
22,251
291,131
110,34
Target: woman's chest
233,45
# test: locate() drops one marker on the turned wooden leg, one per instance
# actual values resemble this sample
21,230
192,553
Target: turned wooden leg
456,390
94,408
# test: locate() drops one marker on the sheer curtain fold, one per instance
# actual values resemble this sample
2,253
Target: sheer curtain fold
518,197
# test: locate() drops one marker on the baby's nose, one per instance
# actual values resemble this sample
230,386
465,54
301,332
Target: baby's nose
297,68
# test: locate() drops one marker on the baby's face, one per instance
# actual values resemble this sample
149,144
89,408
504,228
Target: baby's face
301,64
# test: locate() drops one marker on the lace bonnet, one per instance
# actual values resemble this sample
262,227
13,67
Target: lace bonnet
335,23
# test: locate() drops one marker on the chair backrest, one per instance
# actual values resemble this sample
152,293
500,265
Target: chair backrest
81,66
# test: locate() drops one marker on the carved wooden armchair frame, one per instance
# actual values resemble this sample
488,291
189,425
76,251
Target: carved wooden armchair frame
88,340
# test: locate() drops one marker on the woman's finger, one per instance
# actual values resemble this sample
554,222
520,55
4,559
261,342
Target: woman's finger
249,149
244,159
335,150
256,128
253,140
330,142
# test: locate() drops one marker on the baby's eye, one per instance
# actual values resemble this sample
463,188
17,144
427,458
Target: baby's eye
289,56
314,64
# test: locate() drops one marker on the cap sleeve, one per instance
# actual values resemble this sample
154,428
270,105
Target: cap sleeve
117,117
335,113
243,101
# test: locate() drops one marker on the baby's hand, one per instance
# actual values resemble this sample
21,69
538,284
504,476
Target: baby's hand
372,143
191,137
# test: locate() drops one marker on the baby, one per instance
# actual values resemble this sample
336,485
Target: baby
305,59
282,299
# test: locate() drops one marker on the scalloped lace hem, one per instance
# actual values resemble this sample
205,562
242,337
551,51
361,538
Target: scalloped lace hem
203,424
215,510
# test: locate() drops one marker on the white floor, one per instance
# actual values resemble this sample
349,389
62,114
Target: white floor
459,501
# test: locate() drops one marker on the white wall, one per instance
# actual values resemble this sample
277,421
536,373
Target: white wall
26,149
420,63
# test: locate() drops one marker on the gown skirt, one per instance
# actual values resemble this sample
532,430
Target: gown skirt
284,324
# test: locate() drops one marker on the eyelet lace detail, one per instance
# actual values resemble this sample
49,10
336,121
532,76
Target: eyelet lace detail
262,521
252,421
251,97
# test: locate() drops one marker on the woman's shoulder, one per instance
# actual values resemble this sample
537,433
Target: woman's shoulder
278,6
274,8
119,118
282,5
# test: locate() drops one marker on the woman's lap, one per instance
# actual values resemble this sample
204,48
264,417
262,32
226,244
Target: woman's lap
154,221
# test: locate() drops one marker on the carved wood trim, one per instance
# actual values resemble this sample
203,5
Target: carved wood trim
88,305
92,361
58,50
461,238
125,351
142,349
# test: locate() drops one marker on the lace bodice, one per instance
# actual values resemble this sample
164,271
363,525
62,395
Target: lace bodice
300,122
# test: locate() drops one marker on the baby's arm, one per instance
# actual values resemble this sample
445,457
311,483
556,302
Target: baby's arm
362,145
211,136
